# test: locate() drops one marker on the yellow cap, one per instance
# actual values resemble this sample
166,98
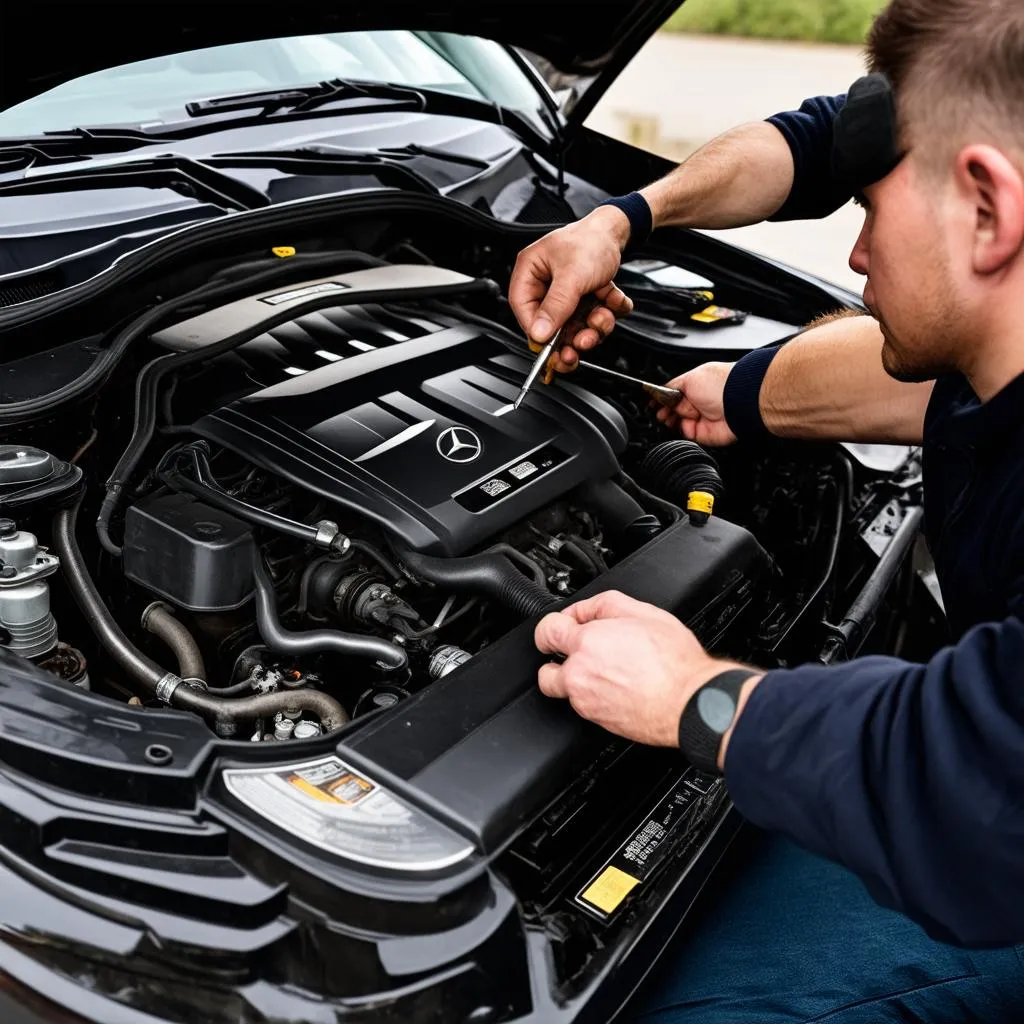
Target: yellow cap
700,501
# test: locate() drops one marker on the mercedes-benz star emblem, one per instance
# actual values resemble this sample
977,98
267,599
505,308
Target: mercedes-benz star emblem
459,444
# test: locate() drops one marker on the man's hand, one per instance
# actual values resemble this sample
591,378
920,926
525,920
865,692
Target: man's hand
630,667
700,414
566,278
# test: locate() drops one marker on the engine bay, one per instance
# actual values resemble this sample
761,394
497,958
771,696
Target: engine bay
326,501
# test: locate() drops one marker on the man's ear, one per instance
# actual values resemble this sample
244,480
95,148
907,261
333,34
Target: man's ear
995,188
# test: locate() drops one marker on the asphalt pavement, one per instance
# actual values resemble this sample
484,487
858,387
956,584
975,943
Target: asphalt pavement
680,91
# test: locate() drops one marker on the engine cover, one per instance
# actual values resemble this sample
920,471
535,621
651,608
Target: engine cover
419,437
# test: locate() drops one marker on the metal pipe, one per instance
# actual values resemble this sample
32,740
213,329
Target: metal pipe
848,637
151,677
315,641
159,619
147,673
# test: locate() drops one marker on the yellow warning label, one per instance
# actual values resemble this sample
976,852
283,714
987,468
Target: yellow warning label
310,790
700,501
609,889
283,250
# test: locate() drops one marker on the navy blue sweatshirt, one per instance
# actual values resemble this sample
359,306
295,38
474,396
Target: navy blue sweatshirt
911,775
808,131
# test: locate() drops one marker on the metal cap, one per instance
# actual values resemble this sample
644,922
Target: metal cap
20,464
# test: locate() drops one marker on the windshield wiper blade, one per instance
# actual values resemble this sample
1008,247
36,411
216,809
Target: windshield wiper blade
307,97
329,160
304,100
194,179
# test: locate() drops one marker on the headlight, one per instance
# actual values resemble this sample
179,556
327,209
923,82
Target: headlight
332,806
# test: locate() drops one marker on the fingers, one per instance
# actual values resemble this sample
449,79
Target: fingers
563,296
557,633
615,299
551,679
609,604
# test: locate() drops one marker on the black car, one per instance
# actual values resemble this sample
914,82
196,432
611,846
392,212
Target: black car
273,541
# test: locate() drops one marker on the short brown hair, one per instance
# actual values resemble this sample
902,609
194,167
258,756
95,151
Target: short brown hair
957,66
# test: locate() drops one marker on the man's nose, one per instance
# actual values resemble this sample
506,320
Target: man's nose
859,255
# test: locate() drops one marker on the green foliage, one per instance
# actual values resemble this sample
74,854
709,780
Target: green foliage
831,21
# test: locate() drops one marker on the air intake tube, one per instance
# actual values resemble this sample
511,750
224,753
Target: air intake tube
491,575
686,474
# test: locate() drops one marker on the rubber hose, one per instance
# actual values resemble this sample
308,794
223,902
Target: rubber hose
677,469
159,620
229,710
376,555
229,503
315,641
148,674
492,575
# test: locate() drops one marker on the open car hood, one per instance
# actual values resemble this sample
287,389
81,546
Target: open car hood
45,46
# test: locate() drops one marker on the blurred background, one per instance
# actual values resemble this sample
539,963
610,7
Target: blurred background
718,63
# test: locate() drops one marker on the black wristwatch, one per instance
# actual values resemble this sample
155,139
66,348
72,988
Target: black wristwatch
707,717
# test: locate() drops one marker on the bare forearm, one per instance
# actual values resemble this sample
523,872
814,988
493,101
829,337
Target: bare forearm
741,177
829,384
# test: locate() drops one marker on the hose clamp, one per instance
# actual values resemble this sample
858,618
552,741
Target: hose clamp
167,686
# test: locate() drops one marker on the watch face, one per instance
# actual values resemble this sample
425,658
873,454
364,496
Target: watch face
716,709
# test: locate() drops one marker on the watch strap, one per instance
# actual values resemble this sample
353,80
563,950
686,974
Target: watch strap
707,718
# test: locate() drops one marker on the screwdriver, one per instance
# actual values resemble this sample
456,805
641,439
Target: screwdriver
659,392
540,363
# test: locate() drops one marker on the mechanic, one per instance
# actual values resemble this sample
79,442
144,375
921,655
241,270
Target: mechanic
908,776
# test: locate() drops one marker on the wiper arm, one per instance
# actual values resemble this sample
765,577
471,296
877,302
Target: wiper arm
307,97
18,154
390,169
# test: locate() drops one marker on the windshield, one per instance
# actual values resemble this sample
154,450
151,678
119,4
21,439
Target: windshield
150,92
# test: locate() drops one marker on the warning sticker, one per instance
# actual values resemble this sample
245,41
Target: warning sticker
302,293
609,889
637,858
332,806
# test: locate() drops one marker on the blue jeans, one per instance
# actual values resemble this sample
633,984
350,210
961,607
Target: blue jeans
796,938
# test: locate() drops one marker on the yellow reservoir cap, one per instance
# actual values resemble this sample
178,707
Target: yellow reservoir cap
700,501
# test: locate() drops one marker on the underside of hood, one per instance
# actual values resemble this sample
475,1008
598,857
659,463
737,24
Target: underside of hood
45,45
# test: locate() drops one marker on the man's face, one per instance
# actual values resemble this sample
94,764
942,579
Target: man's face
904,249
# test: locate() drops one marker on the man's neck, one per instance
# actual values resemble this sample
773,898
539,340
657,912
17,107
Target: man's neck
996,361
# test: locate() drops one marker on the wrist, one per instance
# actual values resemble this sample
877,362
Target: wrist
638,213
612,221
741,396
709,712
